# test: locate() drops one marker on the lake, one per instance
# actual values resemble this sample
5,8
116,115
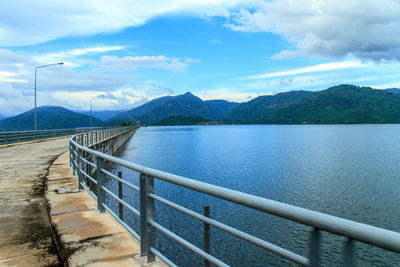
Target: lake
350,171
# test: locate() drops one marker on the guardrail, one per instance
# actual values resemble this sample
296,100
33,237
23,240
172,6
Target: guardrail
353,231
24,136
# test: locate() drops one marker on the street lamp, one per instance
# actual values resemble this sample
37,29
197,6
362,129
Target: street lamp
59,63
91,111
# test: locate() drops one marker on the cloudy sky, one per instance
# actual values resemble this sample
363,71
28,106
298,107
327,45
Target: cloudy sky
133,51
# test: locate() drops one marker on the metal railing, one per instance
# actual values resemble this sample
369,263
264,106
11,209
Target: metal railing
353,231
24,136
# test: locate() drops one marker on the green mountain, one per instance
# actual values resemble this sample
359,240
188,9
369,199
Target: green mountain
219,108
340,105
183,105
132,114
336,105
186,105
182,120
256,110
48,117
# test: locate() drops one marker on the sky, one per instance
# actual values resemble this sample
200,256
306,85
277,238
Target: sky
120,54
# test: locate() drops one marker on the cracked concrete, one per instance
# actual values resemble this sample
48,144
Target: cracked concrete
25,230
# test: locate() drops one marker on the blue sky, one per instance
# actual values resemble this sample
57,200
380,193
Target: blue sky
135,51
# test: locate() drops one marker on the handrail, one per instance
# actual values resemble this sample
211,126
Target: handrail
24,136
368,234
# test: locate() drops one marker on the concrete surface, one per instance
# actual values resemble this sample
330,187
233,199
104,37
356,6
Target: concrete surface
25,230
40,227
87,236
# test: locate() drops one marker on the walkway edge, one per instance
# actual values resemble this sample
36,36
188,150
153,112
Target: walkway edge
83,235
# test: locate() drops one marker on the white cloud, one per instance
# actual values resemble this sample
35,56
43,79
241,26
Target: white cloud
70,57
113,63
215,41
367,29
286,54
33,22
71,88
230,94
6,76
191,60
387,85
317,68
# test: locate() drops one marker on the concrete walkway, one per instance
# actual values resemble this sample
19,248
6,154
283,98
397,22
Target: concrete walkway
87,236
25,230
40,226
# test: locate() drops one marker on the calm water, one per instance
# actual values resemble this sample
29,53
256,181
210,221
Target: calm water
350,171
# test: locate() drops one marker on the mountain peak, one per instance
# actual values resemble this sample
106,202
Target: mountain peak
188,95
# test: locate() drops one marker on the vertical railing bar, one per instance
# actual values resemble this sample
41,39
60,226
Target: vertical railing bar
143,215
120,195
315,247
100,183
206,212
151,235
348,253
147,234
80,167
70,155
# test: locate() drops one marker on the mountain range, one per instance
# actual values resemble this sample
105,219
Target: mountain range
344,104
48,117
182,105
335,105
102,115
256,110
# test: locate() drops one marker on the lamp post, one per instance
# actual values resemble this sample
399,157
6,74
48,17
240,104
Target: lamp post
38,67
91,110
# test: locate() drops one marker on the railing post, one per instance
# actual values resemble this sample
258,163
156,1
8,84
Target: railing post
70,156
206,212
18,137
315,247
80,167
121,196
348,253
100,183
147,235
6,138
